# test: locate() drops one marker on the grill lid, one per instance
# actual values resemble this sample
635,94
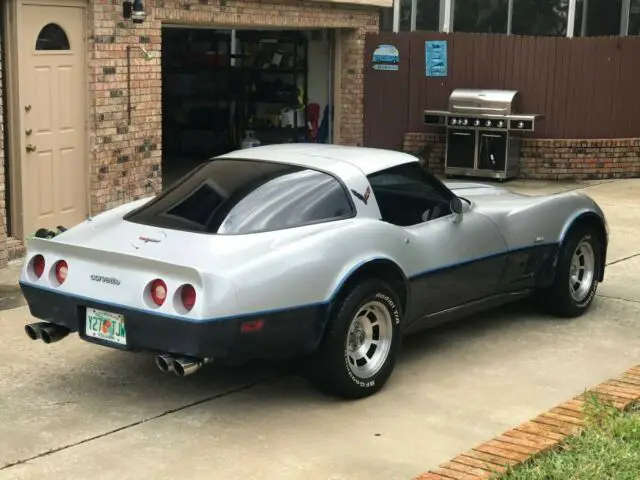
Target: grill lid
493,102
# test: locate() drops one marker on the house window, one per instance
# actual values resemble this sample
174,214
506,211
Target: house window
523,17
481,16
540,17
634,17
52,37
386,19
405,15
597,18
428,15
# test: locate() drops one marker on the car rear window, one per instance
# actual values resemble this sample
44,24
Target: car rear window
233,196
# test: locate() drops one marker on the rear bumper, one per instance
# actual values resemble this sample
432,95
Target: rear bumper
285,333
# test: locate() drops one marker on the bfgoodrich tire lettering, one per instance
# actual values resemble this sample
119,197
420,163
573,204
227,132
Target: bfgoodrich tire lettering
359,349
576,281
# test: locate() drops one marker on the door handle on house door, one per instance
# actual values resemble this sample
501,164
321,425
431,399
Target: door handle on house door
30,148
28,132
27,108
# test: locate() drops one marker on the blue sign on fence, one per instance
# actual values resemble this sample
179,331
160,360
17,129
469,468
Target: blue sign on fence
386,57
435,58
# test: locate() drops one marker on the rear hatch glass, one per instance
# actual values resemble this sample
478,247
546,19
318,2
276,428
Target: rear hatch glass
236,196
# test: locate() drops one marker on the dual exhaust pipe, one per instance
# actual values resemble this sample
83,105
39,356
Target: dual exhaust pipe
47,332
181,366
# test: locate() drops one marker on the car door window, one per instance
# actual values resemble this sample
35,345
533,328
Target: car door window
408,195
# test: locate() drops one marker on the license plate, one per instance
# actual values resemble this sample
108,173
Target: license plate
105,326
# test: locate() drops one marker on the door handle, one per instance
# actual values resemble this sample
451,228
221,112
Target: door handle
27,108
31,148
28,132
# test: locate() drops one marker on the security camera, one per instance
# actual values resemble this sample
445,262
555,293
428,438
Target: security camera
138,14
134,11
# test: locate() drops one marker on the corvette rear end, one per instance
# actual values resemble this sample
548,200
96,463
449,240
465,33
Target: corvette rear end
121,300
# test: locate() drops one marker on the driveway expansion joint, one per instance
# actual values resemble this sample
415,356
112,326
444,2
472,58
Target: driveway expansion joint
539,435
620,260
134,424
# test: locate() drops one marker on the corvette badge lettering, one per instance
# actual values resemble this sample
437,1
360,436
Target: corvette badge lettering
364,198
147,239
109,280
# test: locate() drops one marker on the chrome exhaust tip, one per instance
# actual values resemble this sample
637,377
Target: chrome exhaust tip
45,331
33,330
51,333
164,362
183,366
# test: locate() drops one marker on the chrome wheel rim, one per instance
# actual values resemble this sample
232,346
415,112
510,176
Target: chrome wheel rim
369,339
582,271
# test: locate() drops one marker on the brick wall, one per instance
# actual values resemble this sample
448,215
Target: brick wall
126,156
581,159
551,159
4,254
430,148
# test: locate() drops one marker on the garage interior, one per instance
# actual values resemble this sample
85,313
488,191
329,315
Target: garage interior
226,89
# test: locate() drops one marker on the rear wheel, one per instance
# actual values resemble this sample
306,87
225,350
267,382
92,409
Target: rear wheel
576,276
359,349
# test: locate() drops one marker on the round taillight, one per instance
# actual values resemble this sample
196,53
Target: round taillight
62,269
158,292
38,265
188,296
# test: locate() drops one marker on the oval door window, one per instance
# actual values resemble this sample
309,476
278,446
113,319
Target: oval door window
52,37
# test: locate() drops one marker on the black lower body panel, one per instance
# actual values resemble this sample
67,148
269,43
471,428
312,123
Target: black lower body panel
286,333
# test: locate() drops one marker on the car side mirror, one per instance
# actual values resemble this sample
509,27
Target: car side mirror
456,205
456,208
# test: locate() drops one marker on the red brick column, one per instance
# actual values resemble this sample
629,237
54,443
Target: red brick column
124,155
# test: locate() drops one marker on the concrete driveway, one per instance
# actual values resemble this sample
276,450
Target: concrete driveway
77,411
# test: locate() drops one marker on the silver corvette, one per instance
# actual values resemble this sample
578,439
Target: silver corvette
324,253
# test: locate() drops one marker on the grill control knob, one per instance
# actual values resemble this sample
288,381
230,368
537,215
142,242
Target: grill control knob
500,123
453,121
488,123
520,124
477,123
465,121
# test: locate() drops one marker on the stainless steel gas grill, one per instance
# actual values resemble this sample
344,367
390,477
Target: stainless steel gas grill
482,132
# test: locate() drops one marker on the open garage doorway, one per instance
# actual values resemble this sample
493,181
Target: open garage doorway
225,89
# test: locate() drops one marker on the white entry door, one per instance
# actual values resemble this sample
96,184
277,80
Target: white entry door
52,82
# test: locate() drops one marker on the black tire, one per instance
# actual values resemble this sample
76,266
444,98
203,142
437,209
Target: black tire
329,368
558,298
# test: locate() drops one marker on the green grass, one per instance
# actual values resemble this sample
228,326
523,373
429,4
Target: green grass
608,449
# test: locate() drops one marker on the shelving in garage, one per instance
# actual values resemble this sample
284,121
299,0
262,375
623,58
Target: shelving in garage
274,73
221,85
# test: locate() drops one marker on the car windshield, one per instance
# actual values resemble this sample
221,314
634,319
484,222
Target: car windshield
235,196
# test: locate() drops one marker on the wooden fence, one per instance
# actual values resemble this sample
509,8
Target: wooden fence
585,87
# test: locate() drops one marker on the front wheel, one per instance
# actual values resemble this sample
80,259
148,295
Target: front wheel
359,349
577,274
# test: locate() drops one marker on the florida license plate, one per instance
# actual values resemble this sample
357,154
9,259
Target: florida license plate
105,326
